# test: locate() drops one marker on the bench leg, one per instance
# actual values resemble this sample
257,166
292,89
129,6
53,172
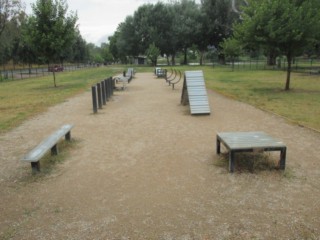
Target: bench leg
231,161
35,166
282,163
68,136
218,146
54,150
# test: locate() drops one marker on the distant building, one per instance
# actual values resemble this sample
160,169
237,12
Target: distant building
140,60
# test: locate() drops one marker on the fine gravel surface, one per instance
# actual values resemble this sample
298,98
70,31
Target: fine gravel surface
144,168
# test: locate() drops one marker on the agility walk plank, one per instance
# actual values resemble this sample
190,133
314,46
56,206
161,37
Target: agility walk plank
194,93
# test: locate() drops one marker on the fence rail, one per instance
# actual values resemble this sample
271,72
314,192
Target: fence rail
311,66
24,73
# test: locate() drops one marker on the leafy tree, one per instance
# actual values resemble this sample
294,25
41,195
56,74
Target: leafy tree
54,30
143,27
9,9
152,53
231,48
218,20
11,12
186,25
28,49
128,40
287,26
105,53
80,51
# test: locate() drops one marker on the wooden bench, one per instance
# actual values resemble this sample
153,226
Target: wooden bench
125,78
120,79
49,143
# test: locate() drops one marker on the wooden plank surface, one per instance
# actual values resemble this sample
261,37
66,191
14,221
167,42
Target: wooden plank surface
40,150
249,140
197,92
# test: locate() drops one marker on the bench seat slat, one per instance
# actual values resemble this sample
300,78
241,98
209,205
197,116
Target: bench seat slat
40,150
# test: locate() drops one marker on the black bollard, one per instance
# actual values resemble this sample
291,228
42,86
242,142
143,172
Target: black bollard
106,89
112,84
103,90
94,99
99,95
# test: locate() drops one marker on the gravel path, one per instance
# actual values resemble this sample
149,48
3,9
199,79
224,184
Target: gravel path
144,168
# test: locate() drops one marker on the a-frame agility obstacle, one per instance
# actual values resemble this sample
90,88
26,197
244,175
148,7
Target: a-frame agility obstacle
194,93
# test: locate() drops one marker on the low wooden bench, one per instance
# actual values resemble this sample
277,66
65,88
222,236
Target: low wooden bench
120,79
125,78
49,143
250,142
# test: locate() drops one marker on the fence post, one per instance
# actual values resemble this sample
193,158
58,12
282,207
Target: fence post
99,95
94,99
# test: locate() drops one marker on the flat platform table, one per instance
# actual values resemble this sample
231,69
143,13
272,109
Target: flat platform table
250,142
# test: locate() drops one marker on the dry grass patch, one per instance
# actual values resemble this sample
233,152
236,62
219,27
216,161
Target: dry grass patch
250,162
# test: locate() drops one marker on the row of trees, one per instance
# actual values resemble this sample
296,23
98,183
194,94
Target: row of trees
49,35
173,28
229,27
287,28
226,27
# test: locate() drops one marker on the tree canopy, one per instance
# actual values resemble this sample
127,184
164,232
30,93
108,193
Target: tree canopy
54,30
288,26
180,28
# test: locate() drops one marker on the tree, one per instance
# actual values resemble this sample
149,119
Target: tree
54,30
186,25
113,46
27,49
80,51
287,25
9,9
128,40
152,53
9,40
231,48
10,16
217,24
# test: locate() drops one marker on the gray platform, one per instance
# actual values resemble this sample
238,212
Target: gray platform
194,93
250,142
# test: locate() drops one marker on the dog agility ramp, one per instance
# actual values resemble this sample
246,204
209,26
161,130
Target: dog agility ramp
194,93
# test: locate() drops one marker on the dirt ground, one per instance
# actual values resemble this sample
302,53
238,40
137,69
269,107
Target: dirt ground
144,168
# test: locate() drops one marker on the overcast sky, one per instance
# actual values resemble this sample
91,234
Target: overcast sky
99,19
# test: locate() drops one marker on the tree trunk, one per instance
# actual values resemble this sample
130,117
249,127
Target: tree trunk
201,58
173,59
168,61
222,58
185,60
289,60
233,64
54,78
272,57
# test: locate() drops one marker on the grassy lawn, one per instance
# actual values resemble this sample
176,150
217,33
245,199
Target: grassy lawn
22,99
264,89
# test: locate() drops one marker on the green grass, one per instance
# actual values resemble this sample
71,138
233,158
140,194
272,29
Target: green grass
265,90
22,99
